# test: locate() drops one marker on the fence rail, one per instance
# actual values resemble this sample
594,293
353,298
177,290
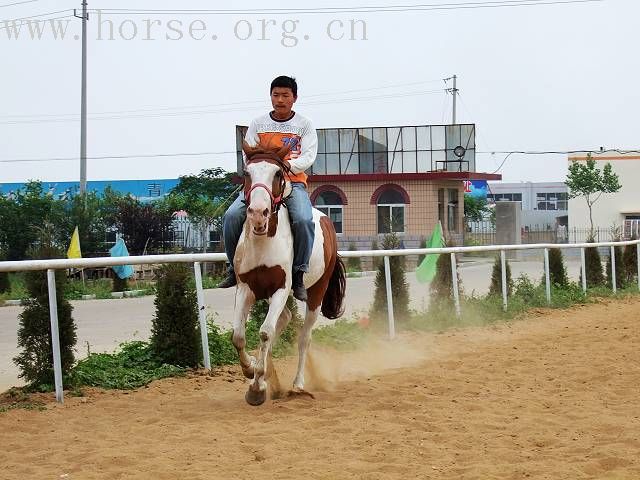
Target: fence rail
197,259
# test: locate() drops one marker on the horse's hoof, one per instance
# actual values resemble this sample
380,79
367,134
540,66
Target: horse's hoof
299,392
255,398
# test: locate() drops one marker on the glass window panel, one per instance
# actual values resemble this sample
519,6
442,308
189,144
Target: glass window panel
424,162
438,158
333,163
349,162
329,198
542,205
366,162
336,217
409,138
562,205
409,162
423,138
379,139
332,141
452,136
467,136
395,162
384,219
390,196
365,139
470,157
321,136
380,162
320,165
324,210
397,219
517,197
395,140
348,140
437,138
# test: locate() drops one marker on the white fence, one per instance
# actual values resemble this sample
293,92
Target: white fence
51,265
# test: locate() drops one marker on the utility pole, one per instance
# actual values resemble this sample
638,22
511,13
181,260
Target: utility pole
83,101
453,91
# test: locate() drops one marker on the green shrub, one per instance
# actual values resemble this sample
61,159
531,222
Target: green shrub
442,285
399,286
620,269
175,337
353,263
526,290
34,334
630,262
377,261
5,285
593,264
496,278
557,270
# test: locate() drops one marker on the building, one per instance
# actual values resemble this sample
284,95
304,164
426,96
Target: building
621,209
544,204
372,181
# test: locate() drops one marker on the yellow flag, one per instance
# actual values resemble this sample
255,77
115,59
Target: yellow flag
74,247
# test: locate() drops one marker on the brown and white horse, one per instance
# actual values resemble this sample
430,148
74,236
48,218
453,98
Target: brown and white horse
263,265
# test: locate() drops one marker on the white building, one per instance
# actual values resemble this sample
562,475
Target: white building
544,204
621,209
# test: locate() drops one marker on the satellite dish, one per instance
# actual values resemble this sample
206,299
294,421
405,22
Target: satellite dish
459,151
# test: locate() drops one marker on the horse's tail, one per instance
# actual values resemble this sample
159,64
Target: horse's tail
332,302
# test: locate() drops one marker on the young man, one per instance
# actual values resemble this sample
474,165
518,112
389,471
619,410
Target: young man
282,126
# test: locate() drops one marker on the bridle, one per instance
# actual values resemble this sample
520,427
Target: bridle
276,200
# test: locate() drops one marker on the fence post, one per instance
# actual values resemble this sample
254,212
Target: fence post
584,270
613,269
454,279
387,278
546,275
55,336
201,316
503,261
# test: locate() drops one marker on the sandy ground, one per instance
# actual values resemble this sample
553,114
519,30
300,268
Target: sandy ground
554,396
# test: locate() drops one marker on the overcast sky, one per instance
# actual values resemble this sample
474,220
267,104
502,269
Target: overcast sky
536,77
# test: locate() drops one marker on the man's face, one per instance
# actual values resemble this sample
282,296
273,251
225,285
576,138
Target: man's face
282,100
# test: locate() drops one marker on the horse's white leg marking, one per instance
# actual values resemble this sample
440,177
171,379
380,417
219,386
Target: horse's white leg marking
245,299
303,345
267,337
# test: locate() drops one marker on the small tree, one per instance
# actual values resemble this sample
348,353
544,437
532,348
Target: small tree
34,335
377,261
496,278
175,335
557,270
442,285
399,286
585,180
353,263
620,270
593,264
630,262
475,208
5,285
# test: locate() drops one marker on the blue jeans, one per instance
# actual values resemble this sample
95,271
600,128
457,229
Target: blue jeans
300,212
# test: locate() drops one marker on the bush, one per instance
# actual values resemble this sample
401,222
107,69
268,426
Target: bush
526,290
442,285
34,335
377,261
175,337
630,262
5,285
620,269
496,278
593,264
399,286
557,270
353,263
119,284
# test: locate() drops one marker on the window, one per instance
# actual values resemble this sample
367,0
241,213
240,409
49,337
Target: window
552,201
441,205
452,210
391,212
330,203
501,197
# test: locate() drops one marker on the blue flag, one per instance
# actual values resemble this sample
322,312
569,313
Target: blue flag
120,250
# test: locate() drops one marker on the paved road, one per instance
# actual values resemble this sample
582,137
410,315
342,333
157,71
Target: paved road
104,324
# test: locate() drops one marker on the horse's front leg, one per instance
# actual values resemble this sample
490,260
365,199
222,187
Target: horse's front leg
245,299
257,393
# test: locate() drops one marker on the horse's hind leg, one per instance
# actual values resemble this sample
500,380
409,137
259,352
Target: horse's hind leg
245,300
304,341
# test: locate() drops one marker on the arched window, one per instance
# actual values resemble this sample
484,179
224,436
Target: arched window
391,202
330,203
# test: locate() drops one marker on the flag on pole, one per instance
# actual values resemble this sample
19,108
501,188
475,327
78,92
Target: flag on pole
74,247
120,250
427,269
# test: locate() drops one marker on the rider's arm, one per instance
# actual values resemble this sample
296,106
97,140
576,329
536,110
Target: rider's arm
308,149
251,137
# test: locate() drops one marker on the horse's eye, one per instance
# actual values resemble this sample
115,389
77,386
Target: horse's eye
278,174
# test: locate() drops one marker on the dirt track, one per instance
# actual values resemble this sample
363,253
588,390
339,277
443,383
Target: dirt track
554,396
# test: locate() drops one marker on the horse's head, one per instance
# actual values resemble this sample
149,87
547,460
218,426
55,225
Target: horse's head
265,185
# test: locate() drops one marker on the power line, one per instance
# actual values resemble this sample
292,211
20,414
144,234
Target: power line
10,24
245,102
18,3
364,9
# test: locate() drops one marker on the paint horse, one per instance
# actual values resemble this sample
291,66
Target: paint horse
263,266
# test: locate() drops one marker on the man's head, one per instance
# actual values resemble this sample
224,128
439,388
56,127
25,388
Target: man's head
284,93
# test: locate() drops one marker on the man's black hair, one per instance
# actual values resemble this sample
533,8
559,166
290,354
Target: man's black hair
285,82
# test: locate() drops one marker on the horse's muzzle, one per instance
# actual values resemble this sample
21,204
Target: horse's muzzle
260,231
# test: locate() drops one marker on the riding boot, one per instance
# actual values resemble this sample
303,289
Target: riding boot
229,280
297,287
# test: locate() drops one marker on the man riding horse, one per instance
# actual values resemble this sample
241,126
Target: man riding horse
282,127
